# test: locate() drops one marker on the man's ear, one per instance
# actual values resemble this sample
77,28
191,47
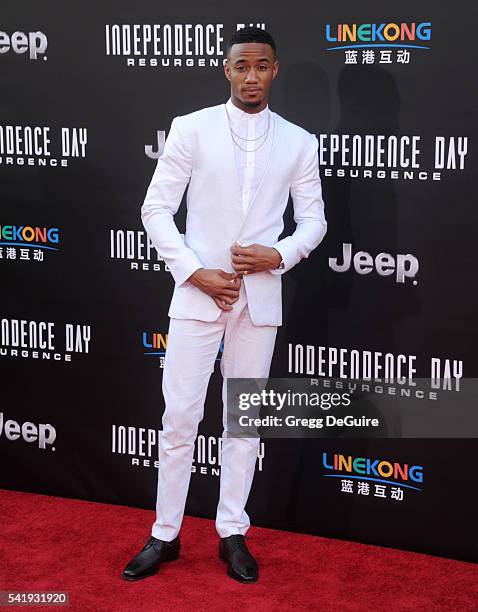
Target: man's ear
276,69
227,71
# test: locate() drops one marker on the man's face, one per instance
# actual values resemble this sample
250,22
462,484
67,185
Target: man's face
251,68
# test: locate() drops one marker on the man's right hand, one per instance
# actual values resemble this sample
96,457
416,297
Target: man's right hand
222,286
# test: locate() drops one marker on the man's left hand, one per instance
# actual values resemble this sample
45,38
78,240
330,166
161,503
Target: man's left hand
254,258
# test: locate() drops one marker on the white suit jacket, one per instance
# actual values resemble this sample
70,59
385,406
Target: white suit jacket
199,154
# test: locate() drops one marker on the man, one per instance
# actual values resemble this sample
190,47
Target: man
240,161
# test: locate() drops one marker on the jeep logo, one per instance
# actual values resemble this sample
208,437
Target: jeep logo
34,42
43,434
403,266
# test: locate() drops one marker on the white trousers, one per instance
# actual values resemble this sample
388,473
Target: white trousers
191,354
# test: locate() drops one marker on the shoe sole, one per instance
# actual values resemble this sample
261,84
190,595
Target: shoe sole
234,576
134,578
152,573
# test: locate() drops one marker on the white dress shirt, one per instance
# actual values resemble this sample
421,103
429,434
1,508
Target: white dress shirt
251,155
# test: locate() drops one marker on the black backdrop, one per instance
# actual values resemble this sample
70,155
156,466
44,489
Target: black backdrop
93,396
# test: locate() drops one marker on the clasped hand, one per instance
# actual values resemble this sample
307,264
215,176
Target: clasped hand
254,258
223,286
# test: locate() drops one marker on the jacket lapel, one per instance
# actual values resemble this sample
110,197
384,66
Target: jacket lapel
226,151
228,163
269,163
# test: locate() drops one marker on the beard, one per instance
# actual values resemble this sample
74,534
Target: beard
252,104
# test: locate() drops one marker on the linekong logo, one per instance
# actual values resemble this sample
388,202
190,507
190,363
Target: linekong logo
403,35
376,470
155,343
29,236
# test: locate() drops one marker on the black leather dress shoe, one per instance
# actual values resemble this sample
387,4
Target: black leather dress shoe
147,561
241,565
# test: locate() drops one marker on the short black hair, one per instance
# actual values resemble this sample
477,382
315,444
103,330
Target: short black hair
251,35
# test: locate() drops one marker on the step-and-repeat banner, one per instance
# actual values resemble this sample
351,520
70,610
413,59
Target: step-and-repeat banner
88,96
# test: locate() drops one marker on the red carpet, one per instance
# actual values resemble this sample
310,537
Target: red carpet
81,547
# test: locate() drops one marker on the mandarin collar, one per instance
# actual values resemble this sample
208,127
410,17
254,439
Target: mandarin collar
237,113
